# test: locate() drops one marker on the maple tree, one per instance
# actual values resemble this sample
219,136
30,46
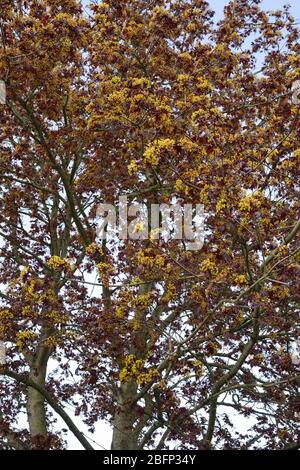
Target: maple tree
153,100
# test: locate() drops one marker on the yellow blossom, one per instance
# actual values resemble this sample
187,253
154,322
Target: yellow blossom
23,271
67,18
170,293
142,82
154,234
199,367
139,227
152,151
132,167
23,337
56,262
283,250
134,369
251,201
93,248
120,312
135,324
241,280
221,204
179,185
209,265
183,78
185,56
30,292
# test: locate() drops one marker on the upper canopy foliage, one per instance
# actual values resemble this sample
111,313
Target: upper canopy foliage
153,100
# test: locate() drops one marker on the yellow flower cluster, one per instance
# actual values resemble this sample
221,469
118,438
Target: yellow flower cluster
202,113
34,296
179,185
170,293
124,100
27,310
141,82
281,292
240,318
209,265
185,56
241,280
221,203
182,78
131,369
199,367
23,271
56,317
134,370
139,227
132,29
296,257
252,201
132,167
153,150
5,315
187,144
297,153
223,50
203,83
30,292
67,18
142,301
283,250
105,270
204,194
154,234
121,312
135,323
146,377
213,348
157,261
93,248
198,114
55,262
23,337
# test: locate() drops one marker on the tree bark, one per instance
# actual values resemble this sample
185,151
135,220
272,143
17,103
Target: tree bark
36,413
124,434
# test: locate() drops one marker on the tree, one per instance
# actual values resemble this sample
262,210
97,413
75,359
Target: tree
154,101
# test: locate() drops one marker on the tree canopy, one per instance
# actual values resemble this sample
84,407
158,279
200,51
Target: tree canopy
155,101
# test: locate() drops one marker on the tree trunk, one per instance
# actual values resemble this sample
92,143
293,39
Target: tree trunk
124,434
36,413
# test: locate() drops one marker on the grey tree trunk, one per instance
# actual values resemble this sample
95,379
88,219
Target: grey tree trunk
124,435
35,404
36,411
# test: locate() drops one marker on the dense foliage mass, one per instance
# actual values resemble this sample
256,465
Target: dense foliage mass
154,100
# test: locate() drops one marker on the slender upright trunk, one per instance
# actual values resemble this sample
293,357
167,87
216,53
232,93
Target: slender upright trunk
36,413
124,435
